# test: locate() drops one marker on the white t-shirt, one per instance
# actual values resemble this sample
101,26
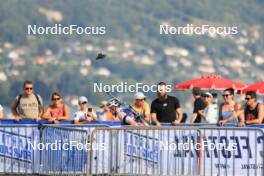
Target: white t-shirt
1,108
211,114
80,115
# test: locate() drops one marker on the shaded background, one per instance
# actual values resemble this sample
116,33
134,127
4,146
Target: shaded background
136,52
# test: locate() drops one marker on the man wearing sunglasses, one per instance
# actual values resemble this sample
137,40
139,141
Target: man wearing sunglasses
27,105
254,111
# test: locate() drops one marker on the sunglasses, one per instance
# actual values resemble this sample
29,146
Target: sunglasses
206,96
28,88
225,95
83,103
247,98
56,99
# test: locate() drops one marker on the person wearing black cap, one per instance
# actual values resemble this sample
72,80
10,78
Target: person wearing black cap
199,105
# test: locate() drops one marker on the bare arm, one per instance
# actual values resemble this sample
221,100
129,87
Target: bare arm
180,116
154,119
194,115
66,114
260,116
237,113
14,109
1,115
46,114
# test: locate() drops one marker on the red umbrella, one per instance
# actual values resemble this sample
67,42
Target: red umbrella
210,82
256,87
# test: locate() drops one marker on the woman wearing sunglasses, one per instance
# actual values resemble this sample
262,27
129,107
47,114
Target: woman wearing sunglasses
85,114
57,111
229,111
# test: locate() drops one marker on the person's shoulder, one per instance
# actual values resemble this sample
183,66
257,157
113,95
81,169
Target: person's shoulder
173,98
146,104
155,101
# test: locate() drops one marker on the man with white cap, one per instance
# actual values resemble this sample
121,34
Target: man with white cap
141,106
85,114
210,113
165,108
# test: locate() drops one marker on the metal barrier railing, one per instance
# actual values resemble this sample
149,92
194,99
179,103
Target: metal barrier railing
145,150
16,154
64,151
131,150
232,151
44,149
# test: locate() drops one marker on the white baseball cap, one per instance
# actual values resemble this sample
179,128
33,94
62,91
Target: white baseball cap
83,99
139,95
208,94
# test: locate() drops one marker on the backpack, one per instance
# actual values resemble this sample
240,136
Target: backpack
38,100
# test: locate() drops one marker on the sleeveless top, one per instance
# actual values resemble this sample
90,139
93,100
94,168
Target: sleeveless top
60,113
227,114
251,114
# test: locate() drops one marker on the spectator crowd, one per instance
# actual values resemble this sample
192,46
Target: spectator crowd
164,109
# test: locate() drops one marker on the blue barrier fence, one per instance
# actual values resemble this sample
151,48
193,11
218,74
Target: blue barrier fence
17,156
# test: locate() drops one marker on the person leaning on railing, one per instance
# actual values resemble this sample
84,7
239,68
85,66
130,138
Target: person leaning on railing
141,106
253,110
165,108
57,111
1,112
198,105
27,105
230,111
210,113
84,114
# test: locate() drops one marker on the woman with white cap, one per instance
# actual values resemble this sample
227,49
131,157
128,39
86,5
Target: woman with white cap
141,106
210,113
85,114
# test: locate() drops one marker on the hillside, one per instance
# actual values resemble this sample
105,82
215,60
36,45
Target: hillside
136,52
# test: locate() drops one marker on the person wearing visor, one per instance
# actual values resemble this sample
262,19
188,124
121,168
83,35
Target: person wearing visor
141,106
125,115
84,114
166,108
105,114
210,113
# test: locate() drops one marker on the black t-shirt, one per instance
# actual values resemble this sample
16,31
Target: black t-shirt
165,110
199,104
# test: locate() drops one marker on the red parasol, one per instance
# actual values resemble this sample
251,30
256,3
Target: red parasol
207,82
256,87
